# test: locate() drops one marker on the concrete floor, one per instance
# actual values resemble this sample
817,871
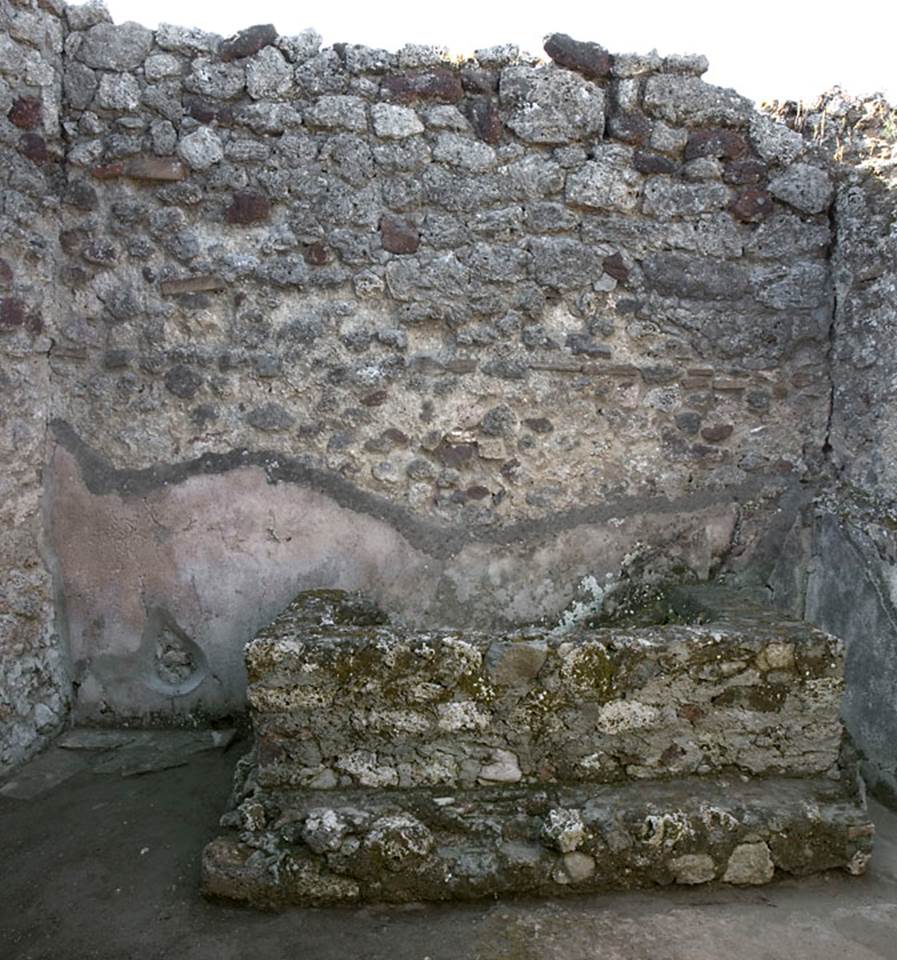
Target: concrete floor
105,867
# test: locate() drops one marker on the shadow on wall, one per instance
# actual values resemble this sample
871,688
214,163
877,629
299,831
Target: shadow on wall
852,593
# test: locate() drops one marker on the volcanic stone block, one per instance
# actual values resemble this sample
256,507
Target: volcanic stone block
589,59
551,106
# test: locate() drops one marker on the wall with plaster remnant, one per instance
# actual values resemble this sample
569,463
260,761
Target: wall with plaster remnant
840,568
456,334
34,687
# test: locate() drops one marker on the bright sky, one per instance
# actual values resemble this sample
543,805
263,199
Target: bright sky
765,48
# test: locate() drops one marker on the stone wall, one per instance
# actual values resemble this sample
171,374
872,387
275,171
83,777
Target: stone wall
841,565
33,675
456,334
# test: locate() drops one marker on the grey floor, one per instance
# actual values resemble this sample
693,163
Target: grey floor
102,865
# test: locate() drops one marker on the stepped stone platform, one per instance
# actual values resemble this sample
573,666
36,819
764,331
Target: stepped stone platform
402,765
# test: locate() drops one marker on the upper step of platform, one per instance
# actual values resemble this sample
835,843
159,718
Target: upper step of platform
342,699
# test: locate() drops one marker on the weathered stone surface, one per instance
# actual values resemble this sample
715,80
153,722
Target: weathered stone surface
804,187
605,722
645,162
248,207
198,284
750,863
717,433
673,274
441,84
339,112
201,149
186,40
458,151
158,66
562,262
606,182
268,75
85,15
247,42
630,127
183,382
118,91
108,46
501,768
693,868
411,845
395,122
802,284
589,59
746,172
154,168
398,235
665,198
693,63
752,206
417,255
211,78
451,724
681,99
551,106
34,147
774,141
26,113
12,313
269,418
715,142
79,84
486,119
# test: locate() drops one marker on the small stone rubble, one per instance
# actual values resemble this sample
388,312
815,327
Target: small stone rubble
398,765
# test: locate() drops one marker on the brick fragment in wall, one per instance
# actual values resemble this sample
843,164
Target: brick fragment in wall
26,113
12,313
752,206
485,119
630,127
398,235
142,168
34,147
746,172
247,207
715,142
318,254
200,284
646,162
442,84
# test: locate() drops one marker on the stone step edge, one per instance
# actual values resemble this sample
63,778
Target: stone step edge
416,845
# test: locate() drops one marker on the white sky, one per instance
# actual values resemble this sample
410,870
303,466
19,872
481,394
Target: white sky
763,48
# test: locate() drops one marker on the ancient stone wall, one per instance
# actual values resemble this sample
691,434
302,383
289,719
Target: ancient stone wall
33,677
457,334
841,565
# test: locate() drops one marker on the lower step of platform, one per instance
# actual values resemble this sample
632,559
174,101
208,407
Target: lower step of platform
327,847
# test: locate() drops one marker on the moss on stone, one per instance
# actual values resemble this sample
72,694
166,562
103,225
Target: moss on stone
647,605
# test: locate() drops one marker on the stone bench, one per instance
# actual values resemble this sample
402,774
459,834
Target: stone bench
402,765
